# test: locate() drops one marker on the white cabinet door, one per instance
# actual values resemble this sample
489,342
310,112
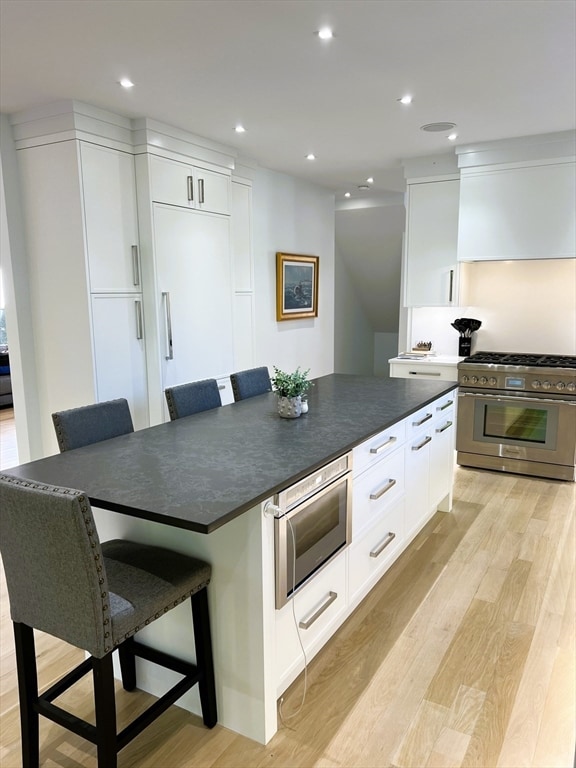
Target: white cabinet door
442,458
110,213
194,290
417,480
120,358
431,244
518,213
188,186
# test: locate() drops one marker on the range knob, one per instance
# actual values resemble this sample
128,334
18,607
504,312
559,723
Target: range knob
474,379
492,381
483,380
546,385
464,379
536,384
571,387
560,386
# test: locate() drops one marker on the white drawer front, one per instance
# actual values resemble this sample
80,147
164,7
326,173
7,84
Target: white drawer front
378,447
225,388
317,607
424,371
444,408
375,551
376,490
420,421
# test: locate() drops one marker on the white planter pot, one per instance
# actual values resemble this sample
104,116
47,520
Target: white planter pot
290,407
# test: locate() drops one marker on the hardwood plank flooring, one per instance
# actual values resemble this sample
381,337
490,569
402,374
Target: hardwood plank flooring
462,655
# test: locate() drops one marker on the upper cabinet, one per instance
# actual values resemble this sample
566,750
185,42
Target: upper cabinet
518,211
111,219
431,277
188,186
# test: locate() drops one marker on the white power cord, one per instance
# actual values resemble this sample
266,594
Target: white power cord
289,717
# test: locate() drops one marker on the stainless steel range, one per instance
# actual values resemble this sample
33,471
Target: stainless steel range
517,413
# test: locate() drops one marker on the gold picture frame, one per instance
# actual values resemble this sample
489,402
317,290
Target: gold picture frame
296,286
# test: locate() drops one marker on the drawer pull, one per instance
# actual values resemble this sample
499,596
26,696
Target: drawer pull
445,427
381,547
390,484
309,620
422,444
383,445
221,386
422,421
425,373
447,404
190,186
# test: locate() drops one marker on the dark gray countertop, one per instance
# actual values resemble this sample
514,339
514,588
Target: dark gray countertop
202,471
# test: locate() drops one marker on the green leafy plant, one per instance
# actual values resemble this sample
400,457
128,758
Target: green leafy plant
291,384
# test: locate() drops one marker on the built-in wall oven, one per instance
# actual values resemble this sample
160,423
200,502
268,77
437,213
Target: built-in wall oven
517,413
312,524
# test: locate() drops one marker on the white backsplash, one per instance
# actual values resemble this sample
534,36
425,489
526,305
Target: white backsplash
524,306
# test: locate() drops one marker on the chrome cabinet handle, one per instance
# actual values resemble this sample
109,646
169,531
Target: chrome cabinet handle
424,373
166,297
422,421
390,484
446,405
451,291
309,620
135,265
221,386
445,427
381,547
200,190
383,445
422,444
190,182
138,306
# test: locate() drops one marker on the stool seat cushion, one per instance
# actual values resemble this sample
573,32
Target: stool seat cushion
144,582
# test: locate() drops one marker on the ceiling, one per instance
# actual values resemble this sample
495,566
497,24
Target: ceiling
496,68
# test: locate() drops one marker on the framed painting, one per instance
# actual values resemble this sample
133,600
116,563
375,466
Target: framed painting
296,286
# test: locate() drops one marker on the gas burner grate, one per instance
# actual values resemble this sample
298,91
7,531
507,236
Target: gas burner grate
538,361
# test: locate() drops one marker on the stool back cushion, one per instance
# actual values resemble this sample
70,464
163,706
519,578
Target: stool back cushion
53,563
197,396
92,423
255,381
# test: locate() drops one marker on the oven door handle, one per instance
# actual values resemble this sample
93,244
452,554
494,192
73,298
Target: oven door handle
516,398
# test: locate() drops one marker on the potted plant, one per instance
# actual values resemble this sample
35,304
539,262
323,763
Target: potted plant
290,387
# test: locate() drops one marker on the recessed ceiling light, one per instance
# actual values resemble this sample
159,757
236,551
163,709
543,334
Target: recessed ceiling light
310,156
363,186
452,137
125,82
346,194
405,99
325,33
240,129
437,127
370,180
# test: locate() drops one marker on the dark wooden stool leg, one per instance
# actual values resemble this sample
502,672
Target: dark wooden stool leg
28,693
127,664
105,705
204,660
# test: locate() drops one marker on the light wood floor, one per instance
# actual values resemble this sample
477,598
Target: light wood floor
463,655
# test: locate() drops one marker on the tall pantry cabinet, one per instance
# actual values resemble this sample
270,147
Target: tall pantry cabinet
80,213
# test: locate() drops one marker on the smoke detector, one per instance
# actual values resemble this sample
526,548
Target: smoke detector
437,127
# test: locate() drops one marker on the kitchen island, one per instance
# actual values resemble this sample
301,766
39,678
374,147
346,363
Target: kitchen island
212,473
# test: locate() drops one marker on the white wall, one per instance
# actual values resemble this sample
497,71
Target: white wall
525,306
353,332
292,216
385,347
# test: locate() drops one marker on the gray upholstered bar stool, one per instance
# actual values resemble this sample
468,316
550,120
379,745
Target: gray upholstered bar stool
61,580
197,396
92,423
249,383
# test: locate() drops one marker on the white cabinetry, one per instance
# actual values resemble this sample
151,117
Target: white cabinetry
193,292
518,212
80,353
431,277
437,370
429,461
189,186
109,194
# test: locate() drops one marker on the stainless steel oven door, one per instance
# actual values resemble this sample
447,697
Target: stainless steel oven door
310,535
517,426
